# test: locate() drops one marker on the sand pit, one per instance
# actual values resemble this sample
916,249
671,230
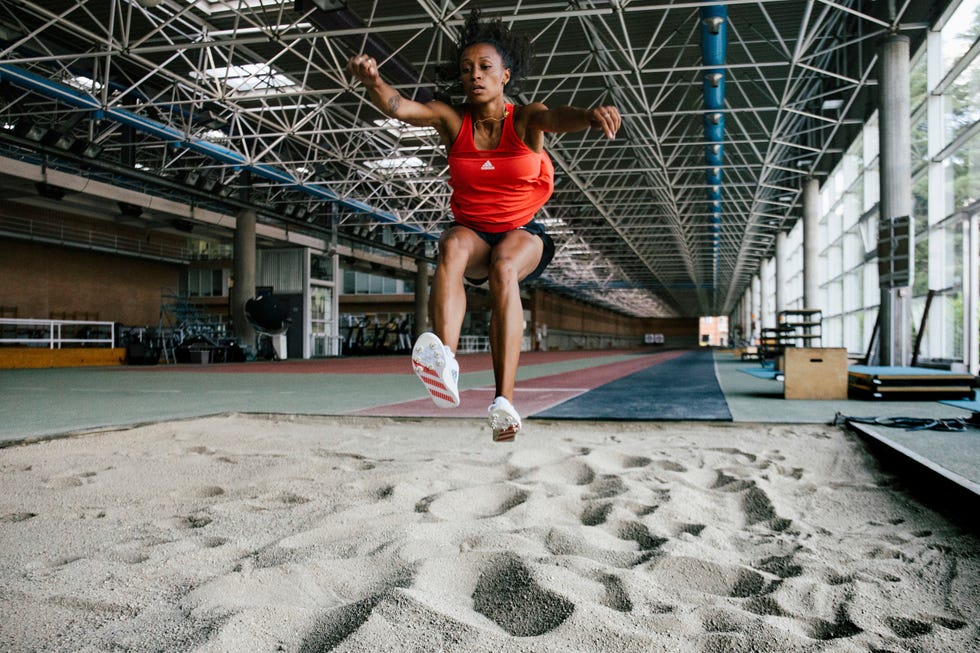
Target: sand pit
261,533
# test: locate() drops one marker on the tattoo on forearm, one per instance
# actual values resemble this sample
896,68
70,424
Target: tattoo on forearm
393,102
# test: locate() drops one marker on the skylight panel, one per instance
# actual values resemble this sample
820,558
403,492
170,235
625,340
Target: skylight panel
403,130
248,78
398,164
214,7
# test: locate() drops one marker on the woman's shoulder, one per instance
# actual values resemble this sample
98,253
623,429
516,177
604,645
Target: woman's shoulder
448,108
525,111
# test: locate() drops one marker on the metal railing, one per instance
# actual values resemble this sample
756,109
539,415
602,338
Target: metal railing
55,334
470,344
71,236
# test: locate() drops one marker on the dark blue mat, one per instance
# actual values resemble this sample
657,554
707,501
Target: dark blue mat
684,388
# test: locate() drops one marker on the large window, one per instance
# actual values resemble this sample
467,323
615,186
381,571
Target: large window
206,283
363,283
945,158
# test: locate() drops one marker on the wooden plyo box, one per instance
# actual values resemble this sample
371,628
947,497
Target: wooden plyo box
815,373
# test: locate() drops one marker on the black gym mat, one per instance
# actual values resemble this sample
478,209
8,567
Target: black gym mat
684,388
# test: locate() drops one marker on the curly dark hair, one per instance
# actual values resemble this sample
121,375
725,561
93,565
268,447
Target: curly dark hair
514,48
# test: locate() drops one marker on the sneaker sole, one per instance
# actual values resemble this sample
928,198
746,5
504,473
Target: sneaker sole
507,434
431,377
504,426
440,394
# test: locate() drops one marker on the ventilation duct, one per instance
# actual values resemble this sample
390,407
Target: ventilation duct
714,46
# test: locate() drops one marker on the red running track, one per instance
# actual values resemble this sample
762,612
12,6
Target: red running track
530,396
390,364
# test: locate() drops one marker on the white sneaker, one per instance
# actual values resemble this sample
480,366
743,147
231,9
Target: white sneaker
504,420
436,367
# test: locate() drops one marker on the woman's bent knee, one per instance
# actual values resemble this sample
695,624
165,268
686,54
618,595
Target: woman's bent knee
503,270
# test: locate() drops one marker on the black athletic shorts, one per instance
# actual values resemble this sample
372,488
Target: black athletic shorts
531,227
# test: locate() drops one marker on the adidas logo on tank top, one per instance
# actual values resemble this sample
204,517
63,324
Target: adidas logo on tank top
487,165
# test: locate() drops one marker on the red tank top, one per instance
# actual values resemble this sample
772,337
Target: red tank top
497,190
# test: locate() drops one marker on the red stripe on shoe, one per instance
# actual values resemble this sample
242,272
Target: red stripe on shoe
429,379
508,430
442,395
505,436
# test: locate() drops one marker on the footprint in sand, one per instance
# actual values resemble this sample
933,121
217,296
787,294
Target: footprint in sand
347,462
726,483
765,606
293,499
473,503
507,594
749,457
639,533
908,628
333,628
602,547
617,598
213,542
691,529
340,624
756,504
595,513
709,577
188,521
15,517
615,460
567,472
780,566
884,553
840,627
671,466
725,621
64,482
605,487
276,556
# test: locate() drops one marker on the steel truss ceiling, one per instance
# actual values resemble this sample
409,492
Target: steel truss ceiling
246,102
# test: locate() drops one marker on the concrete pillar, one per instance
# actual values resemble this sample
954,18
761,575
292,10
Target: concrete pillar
895,181
811,246
764,291
780,261
747,315
756,306
244,277
421,297
971,324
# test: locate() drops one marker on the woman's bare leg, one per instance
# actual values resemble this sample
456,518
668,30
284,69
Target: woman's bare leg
511,260
461,252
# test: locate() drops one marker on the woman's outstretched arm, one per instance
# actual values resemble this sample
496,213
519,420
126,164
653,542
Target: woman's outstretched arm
393,104
572,119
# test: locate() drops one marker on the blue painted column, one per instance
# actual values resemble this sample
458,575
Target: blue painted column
714,47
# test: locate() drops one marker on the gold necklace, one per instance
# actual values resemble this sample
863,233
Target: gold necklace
500,119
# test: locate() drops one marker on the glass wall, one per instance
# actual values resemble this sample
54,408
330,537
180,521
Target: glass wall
945,120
